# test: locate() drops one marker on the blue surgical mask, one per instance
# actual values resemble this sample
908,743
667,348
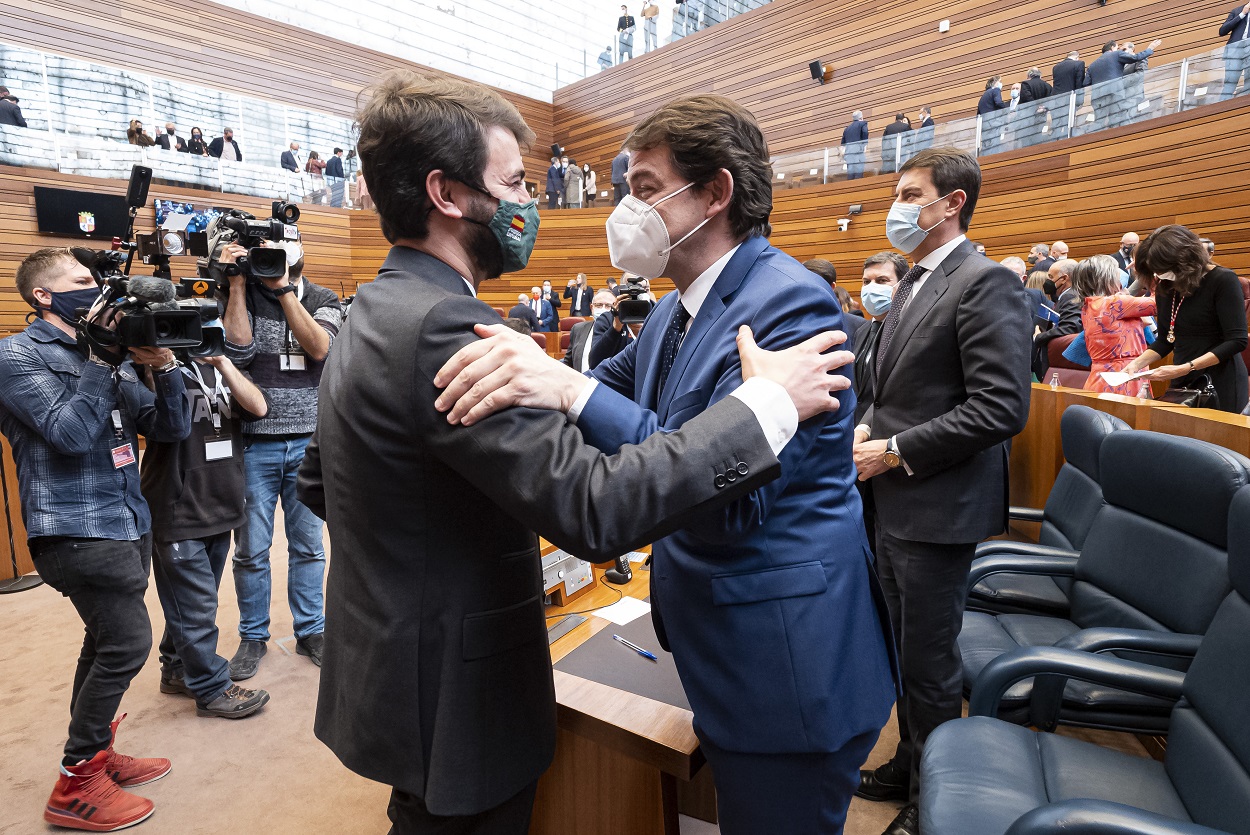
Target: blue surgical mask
875,299
902,225
67,304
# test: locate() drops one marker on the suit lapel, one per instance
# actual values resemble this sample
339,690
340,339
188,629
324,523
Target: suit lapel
713,306
935,284
648,353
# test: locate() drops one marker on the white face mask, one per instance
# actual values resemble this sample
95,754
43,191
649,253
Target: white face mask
638,237
902,225
1166,276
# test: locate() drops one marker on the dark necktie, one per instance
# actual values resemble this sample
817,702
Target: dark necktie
672,342
901,294
865,360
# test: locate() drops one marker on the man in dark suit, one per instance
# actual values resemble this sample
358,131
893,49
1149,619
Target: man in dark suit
1106,76
290,161
620,186
1039,258
1033,92
336,177
951,390
10,112
1068,76
990,108
522,310
579,293
554,299
434,614
1124,255
170,140
555,184
923,136
891,143
625,35
585,334
1237,50
786,668
854,143
1067,305
224,147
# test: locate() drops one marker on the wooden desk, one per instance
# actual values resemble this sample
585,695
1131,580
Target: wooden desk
623,762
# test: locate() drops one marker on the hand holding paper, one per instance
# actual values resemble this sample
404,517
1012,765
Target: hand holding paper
1119,378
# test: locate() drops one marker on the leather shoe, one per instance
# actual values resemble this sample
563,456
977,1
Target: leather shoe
887,782
246,660
311,645
907,822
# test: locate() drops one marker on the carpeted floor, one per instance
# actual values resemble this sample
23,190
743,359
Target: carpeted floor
266,773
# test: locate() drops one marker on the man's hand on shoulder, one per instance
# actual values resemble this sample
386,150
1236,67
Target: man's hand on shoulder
501,370
803,370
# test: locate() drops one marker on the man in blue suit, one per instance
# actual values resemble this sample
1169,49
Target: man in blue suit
543,310
770,606
1106,77
990,108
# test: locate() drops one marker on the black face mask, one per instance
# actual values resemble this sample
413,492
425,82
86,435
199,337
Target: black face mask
169,131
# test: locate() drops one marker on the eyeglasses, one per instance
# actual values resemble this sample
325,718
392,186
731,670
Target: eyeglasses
601,307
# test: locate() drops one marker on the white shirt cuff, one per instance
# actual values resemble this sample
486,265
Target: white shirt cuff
901,459
773,408
867,429
582,399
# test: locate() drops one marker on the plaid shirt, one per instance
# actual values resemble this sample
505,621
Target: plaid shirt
56,409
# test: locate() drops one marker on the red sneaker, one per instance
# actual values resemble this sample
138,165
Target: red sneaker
129,772
89,799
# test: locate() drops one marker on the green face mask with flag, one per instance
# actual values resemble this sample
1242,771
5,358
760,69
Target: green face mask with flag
515,227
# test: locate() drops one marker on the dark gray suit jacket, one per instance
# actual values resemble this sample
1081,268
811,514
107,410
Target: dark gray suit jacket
953,385
577,344
436,676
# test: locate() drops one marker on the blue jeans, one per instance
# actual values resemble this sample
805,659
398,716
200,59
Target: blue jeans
188,574
272,466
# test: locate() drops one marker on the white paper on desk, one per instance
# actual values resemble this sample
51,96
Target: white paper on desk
1119,378
624,610
638,556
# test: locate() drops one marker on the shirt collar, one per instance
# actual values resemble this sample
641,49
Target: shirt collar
469,284
935,258
697,292
42,330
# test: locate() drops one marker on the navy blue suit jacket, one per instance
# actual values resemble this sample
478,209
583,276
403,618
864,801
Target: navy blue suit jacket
769,606
1235,26
991,100
334,166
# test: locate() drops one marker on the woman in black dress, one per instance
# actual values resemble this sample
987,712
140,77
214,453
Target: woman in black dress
1201,316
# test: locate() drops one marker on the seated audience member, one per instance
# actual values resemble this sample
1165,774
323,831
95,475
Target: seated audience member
584,334
518,325
525,313
1202,317
1035,288
1112,321
1068,305
1016,264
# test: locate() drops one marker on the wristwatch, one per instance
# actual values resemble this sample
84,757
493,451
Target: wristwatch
169,366
282,291
890,457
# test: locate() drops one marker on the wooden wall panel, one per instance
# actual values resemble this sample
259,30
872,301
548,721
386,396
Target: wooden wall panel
217,46
887,57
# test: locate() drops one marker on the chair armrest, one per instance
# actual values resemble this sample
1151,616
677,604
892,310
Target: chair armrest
1046,699
1026,514
1023,558
1101,817
1010,667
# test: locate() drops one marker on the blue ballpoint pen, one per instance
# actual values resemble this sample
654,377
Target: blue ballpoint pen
636,648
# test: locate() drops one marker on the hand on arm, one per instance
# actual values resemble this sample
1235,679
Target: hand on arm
246,393
869,457
804,370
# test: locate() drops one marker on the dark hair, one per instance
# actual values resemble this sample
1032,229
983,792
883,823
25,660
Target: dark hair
823,268
843,297
4,91
34,269
951,170
706,133
898,117
993,80
572,163
414,124
898,262
194,129
338,150
1175,249
1108,46
518,325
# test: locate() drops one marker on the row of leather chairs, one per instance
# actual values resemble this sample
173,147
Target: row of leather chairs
1131,613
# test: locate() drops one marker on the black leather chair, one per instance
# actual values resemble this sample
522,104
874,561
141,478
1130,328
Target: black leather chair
1074,501
1155,558
982,776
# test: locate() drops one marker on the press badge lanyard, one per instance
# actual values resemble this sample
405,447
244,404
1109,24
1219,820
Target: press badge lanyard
292,356
219,446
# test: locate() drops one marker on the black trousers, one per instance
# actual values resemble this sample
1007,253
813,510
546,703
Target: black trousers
105,580
512,817
925,586
619,190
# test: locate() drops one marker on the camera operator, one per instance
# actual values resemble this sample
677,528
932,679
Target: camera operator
72,416
195,489
280,330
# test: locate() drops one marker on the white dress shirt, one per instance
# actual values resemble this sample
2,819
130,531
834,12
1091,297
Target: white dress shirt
767,400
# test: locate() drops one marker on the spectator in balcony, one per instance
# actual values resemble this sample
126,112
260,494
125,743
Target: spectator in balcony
605,57
1069,76
1134,85
854,143
290,158
555,184
923,136
224,147
10,113
1112,321
625,35
335,177
316,169
363,200
990,108
195,145
650,35
620,166
1106,75
170,140
136,135
1034,90
573,185
592,183
891,139
1236,52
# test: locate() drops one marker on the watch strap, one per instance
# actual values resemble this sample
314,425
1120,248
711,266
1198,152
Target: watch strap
282,291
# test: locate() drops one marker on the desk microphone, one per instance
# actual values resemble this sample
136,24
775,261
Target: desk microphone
621,573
